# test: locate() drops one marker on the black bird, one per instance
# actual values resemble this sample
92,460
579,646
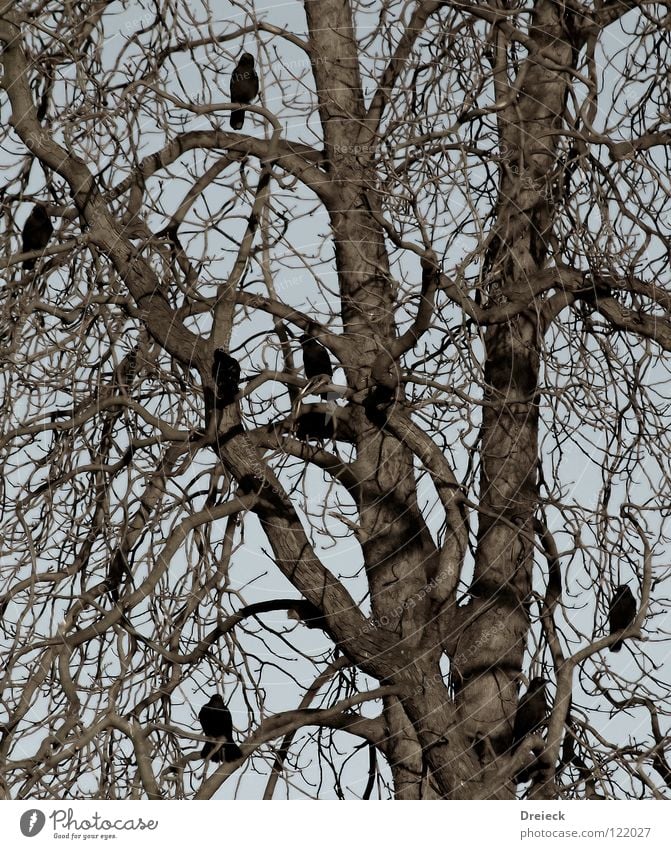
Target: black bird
376,404
36,232
531,710
226,374
529,717
314,425
244,88
316,360
592,291
622,612
308,613
216,721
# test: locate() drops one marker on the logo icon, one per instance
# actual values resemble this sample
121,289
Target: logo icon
32,822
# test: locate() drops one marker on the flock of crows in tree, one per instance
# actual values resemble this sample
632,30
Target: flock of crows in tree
530,717
215,718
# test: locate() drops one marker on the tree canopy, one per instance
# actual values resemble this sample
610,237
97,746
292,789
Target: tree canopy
463,210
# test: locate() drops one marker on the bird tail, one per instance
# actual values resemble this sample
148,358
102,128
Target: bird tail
616,646
207,751
232,752
237,118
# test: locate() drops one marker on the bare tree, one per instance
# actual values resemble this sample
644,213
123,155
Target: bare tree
467,206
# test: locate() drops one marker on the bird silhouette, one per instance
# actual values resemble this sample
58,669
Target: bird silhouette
376,404
529,717
215,719
308,613
226,374
314,425
36,232
531,711
316,360
622,612
244,88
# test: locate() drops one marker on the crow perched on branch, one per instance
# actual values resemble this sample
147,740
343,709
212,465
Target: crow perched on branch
244,88
529,717
308,613
316,360
215,718
226,374
314,425
376,404
593,292
36,232
531,711
622,612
